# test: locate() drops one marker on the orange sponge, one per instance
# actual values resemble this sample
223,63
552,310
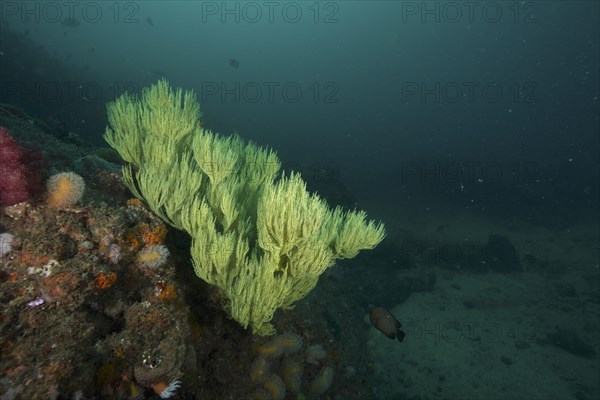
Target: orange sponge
65,189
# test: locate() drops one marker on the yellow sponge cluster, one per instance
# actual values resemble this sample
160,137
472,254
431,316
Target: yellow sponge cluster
280,367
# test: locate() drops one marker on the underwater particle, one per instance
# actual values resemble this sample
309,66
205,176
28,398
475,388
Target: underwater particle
234,63
259,370
6,240
65,189
292,375
105,280
153,256
289,342
322,381
274,385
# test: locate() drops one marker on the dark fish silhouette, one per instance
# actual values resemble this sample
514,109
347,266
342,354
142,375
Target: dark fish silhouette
386,323
234,63
149,21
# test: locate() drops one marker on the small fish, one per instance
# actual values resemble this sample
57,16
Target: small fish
386,323
149,21
234,63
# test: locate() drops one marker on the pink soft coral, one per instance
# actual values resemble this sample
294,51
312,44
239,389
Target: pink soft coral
19,170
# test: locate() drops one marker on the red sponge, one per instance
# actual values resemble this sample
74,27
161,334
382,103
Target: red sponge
19,170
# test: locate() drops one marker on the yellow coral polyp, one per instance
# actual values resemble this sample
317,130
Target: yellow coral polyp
322,381
292,375
271,349
119,352
148,257
289,342
259,370
153,256
274,385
